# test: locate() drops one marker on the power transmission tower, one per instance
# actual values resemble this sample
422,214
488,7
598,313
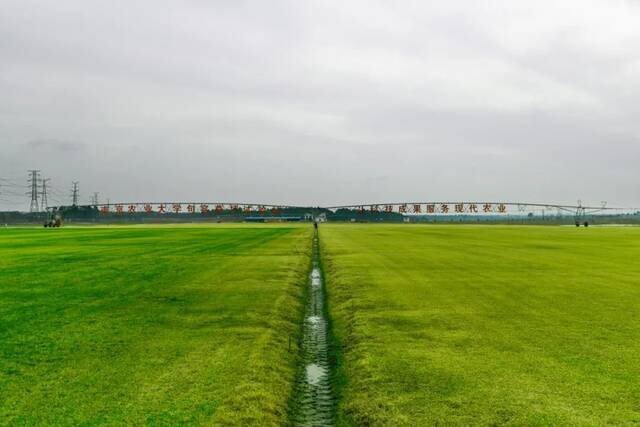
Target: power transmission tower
33,182
94,199
44,203
75,194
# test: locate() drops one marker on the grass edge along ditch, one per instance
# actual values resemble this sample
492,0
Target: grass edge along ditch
265,398
348,342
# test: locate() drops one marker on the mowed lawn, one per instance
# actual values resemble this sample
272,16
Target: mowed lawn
157,325
485,325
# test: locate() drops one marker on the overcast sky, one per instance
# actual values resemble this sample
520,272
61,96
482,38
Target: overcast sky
323,102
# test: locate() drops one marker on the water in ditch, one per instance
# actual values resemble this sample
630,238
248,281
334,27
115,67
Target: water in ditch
313,399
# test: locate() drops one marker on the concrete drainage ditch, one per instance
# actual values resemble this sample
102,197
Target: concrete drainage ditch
313,399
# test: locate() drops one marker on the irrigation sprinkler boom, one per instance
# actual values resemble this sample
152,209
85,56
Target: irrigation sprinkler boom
472,207
404,208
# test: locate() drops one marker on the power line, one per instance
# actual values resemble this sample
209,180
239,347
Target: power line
56,201
9,192
12,183
57,192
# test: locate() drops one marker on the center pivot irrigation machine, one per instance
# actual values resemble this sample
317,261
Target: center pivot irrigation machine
399,212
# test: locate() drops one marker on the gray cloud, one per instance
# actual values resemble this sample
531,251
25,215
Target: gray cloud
324,102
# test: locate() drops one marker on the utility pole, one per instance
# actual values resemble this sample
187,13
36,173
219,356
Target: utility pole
33,182
44,203
74,194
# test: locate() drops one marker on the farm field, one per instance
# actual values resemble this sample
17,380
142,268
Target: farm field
484,325
150,325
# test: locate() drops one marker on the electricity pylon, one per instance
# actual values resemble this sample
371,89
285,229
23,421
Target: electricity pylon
44,203
33,182
74,194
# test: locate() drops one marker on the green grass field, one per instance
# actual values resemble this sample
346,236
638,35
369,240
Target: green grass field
150,325
454,325
485,324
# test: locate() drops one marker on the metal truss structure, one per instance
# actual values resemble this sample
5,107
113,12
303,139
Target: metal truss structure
182,207
475,208
403,208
